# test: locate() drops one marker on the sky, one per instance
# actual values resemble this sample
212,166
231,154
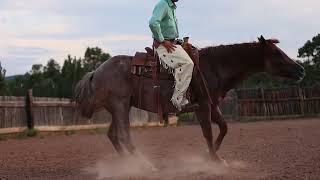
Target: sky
33,31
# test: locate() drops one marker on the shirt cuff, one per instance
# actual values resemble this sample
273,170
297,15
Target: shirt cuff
160,38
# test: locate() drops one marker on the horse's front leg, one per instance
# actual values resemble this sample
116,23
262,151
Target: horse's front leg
203,116
217,117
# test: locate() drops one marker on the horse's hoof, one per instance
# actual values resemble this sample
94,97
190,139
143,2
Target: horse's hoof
224,163
154,169
219,161
144,160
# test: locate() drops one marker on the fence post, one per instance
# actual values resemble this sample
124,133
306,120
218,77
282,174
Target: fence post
29,109
265,112
236,112
301,100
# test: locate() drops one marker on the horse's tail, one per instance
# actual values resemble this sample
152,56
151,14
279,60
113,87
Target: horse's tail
84,95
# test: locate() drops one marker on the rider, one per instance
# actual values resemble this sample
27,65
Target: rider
164,27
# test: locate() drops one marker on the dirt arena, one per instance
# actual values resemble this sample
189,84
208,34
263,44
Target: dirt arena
258,150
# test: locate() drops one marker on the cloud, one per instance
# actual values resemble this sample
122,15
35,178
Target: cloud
75,45
27,51
37,30
20,64
34,51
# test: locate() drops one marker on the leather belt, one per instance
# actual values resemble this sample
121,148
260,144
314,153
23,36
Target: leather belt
156,43
171,40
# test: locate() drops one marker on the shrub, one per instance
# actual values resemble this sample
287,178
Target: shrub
187,118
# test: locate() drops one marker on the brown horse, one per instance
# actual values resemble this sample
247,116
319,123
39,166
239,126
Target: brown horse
111,86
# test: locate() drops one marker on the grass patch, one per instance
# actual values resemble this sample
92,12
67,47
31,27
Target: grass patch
31,132
70,133
97,131
3,138
27,133
93,131
187,118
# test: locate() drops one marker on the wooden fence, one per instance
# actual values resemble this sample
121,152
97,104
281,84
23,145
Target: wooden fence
240,104
278,102
58,114
12,112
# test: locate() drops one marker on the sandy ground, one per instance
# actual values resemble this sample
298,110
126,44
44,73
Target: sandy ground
258,150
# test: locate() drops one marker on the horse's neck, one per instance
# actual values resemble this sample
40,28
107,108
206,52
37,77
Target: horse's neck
232,67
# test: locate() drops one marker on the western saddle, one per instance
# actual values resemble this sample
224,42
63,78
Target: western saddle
147,63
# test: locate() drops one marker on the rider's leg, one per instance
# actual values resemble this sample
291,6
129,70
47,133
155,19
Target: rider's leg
181,63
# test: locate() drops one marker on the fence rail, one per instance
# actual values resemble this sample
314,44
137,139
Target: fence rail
56,113
278,102
240,104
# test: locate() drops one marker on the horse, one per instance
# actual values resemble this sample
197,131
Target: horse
111,86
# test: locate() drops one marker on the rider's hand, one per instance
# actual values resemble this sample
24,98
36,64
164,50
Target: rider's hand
169,46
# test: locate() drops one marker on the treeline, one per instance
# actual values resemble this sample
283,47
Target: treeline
52,80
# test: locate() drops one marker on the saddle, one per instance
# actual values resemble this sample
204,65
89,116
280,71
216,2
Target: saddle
147,63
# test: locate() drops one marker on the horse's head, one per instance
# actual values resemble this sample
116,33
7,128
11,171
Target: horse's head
278,63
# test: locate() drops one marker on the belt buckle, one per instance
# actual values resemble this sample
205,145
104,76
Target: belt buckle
179,41
175,41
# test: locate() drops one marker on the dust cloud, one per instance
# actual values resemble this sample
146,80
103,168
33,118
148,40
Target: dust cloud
115,166
140,166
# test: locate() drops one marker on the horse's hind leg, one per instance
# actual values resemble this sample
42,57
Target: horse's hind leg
124,133
113,136
119,108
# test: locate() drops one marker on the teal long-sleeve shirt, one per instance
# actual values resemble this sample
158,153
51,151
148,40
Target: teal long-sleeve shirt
163,23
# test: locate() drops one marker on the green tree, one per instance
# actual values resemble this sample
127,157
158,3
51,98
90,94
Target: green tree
52,70
44,79
71,73
94,57
52,80
310,53
3,84
17,86
34,77
36,69
311,50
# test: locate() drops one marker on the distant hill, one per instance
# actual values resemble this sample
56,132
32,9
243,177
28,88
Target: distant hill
11,77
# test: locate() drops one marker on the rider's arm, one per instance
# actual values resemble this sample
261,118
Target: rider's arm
159,13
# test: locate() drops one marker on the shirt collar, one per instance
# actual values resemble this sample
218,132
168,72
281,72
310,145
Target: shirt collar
171,4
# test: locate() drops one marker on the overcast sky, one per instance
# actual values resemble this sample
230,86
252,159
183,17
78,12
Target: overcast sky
33,31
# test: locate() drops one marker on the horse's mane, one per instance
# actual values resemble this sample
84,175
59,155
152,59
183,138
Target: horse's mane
234,47
228,48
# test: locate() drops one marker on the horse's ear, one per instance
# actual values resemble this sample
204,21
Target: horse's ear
262,40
